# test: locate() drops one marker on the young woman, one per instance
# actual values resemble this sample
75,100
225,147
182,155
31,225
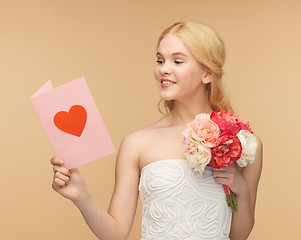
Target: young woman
178,203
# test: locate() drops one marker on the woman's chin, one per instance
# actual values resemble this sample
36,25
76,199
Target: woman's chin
167,97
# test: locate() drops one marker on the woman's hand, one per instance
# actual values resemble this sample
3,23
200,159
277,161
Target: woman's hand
233,178
68,183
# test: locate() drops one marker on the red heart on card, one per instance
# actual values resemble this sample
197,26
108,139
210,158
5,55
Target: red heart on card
72,122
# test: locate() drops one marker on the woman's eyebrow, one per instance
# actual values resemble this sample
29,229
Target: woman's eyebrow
179,53
173,54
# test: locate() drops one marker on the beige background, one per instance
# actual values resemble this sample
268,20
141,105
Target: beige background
112,44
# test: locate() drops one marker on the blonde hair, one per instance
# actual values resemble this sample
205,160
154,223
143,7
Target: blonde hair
208,49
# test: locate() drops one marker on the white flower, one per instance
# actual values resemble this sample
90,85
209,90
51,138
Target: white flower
197,155
249,146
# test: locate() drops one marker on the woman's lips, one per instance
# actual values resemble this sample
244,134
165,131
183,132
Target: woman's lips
165,83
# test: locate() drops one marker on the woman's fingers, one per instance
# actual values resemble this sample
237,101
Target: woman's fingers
57,161
61,169
61,177
58,182
222,174
228,171
230,176
225,181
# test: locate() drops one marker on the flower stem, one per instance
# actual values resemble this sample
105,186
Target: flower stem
231,201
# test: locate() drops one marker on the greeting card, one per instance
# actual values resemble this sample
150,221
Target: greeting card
72,122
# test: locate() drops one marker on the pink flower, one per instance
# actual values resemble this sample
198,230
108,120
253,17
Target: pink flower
227,122
227,150
203,130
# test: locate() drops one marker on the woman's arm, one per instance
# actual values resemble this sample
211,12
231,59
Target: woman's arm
117,222
243,182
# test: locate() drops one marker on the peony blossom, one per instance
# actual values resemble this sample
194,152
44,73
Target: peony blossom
197,155
227,150
227,122
204,130
249,146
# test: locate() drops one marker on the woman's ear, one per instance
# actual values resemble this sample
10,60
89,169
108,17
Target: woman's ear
207,77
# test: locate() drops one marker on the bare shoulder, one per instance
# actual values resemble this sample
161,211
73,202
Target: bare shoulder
136,141
129,148
132,140
136,138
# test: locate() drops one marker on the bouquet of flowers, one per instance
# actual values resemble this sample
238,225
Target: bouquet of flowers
219,139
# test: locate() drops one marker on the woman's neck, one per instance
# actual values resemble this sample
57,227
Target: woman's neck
185,111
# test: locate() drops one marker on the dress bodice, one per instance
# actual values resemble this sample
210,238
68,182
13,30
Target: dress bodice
180,203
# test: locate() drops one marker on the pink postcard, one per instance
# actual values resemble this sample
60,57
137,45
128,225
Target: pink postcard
72,122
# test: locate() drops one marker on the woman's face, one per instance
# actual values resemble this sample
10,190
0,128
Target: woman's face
178,73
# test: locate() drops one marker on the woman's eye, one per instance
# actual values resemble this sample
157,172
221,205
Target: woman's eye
178,62
159,61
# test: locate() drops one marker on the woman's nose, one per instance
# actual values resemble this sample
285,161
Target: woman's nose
165,69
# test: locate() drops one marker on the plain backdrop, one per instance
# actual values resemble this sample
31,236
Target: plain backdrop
113,45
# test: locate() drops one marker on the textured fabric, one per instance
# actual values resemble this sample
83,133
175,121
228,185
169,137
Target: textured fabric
180,203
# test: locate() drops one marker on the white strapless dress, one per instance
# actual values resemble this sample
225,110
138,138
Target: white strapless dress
180,203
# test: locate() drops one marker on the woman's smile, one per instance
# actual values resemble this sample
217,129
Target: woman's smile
165,83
